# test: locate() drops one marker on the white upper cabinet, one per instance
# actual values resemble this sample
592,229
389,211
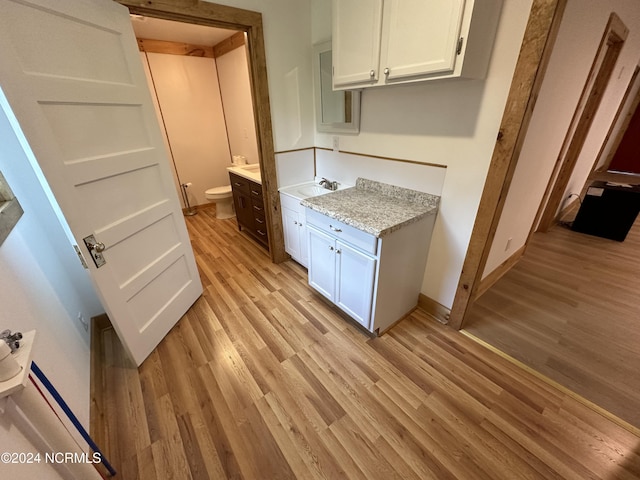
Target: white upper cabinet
356,41
417,40
433,27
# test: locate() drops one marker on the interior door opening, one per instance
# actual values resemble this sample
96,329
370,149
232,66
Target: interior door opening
199,81
222,16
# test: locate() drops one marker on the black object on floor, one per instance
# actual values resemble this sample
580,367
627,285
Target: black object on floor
608,210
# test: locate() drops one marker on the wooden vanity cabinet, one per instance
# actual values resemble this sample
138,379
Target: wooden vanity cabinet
249,205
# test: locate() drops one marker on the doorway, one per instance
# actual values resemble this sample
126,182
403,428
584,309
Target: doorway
198,77
626,157
221,16
601,71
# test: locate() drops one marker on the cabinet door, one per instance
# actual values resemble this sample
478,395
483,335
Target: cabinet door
357,27
244,210
420,37
355,276
304,241
291,232
322,262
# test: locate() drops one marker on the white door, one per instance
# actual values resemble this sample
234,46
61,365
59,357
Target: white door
420,38
71,72
322,262
355,272
356,41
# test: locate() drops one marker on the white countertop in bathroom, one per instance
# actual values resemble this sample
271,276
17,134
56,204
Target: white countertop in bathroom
250,171
310,188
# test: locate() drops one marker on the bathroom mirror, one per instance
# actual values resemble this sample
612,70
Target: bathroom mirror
336,112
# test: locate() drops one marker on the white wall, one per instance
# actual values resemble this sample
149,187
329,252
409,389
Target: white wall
235,89
345,168
43,287
453,123
580,32
287,37
188,93
294,167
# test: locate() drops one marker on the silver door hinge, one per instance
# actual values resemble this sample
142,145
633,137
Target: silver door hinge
459,47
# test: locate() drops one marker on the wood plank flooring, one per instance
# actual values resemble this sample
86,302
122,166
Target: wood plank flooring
570,310
261,379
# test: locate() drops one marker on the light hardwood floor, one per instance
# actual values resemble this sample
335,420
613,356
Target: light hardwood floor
263,380
570,309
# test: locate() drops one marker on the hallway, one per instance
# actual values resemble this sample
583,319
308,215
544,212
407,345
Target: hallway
570,310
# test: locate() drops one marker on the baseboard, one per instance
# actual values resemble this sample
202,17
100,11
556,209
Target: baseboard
435,309
97,407
487,282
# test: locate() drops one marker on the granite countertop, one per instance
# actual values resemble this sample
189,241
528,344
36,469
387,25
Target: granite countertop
374,207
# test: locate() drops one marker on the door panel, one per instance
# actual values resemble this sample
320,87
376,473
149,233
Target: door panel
354,291
421,36
322,262
73,77
356,41
291,232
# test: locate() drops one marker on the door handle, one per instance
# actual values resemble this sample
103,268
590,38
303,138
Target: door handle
95,249
98,247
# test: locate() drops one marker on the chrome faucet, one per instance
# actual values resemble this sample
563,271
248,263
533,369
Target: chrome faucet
328,184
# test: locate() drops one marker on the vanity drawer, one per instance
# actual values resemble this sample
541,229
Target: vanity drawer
256,191
239,183
346,233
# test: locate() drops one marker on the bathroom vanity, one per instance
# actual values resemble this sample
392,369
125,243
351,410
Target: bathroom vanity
294,219
246,186
367,249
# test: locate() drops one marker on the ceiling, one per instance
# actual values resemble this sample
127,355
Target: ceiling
158,29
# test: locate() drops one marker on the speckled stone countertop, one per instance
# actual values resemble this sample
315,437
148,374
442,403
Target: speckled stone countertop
374,207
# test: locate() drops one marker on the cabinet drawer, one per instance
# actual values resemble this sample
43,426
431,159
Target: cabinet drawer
259,222
257,206
241,184
260,232
346,233
256,191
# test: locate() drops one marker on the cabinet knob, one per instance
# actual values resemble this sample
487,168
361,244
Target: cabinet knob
331,248
295,222
372,73
338,251
334,228
386,71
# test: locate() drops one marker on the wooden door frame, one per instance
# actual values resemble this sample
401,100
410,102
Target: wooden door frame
539,38
222,16
601,71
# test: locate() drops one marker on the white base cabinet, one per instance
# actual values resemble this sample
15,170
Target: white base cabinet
384,42
295,230
342,273
376,281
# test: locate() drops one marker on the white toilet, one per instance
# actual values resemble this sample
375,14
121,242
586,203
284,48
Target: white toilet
223,198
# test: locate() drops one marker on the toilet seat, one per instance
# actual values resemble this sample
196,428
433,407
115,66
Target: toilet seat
218,192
